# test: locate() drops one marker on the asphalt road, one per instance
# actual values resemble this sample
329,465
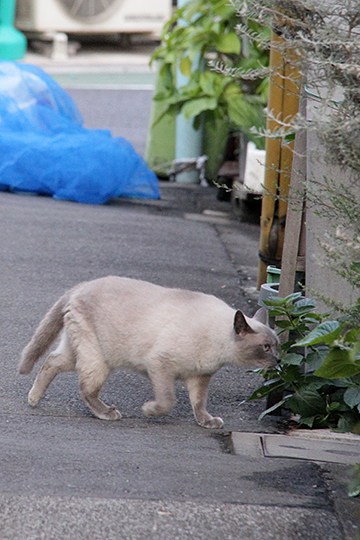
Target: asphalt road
68,475
125,112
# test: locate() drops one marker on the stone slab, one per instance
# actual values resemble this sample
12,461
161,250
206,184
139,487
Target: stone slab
320,445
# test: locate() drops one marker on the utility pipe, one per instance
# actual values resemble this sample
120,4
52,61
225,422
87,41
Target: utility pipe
188,140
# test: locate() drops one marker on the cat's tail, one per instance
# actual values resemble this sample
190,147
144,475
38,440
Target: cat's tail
47,331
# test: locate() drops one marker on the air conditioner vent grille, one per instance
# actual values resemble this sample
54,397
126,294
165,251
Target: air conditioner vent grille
88,10
24,9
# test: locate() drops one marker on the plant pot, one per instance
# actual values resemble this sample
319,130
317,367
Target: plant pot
268,291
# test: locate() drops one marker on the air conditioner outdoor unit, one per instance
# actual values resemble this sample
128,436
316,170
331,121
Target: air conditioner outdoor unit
92,16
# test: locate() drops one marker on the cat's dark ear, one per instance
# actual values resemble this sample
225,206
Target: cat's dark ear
262,316
241,326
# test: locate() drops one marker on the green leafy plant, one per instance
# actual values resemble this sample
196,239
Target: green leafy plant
198,36
318,376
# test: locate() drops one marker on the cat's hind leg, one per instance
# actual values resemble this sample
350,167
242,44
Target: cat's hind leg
93,372
198,393
58,361
163,383
91,383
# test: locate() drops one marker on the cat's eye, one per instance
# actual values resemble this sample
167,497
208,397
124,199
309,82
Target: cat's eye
267,347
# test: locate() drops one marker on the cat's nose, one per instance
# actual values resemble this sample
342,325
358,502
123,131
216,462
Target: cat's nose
276,358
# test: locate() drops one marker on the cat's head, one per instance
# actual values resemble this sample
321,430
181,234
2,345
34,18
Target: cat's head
256,341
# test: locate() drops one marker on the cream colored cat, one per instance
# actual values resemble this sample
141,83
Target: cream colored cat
166,334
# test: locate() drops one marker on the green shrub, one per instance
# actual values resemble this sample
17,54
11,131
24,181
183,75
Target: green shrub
319,370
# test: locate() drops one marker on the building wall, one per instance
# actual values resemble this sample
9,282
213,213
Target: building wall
321,279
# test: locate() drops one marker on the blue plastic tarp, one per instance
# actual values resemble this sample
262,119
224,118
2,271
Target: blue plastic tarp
45,149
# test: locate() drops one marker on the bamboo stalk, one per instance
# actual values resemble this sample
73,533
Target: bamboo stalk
283,104
272,159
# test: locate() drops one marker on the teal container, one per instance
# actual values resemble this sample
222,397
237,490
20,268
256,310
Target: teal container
12,41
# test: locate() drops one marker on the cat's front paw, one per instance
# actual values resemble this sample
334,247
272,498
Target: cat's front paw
33,398
214,422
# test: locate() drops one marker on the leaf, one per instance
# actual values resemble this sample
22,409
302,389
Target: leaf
231,90
355,266
347,422
334,406
307,403
265,391
356,350
228,43
291,298
291,374
352,396
303,306
312,318
244,115
308,421
185,66
316,383
352,335
338,364
275,301
207,83
290,137
284,324
276,311
272,381
354,489
293,359
315,358
197,106
325,333
271,409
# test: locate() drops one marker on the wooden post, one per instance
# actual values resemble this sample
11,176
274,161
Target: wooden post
293,258
272,157
283,105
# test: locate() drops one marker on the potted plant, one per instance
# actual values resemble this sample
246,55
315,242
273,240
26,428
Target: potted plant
201,41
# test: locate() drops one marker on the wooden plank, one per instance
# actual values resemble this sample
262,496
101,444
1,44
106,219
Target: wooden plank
229,169
295,214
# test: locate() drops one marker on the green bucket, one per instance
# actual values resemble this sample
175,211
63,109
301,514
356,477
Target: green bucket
273,274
